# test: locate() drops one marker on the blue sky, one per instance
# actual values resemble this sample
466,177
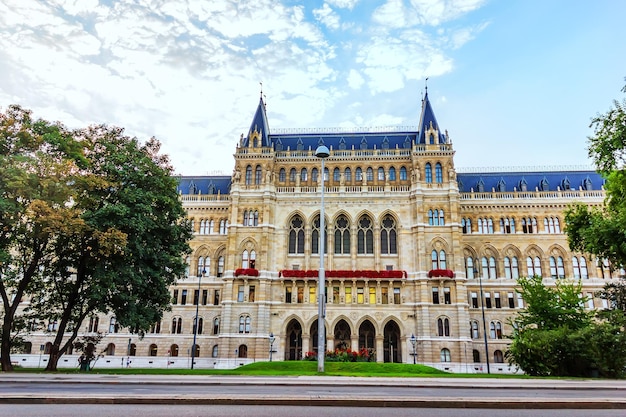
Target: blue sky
515,83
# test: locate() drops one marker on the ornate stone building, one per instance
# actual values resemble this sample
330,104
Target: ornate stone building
407,239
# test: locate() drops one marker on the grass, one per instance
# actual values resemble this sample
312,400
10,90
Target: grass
294,368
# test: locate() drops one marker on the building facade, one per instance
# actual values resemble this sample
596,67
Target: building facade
415,251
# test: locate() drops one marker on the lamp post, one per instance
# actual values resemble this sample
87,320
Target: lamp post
414,342
195,327
482,308
321,152
272,339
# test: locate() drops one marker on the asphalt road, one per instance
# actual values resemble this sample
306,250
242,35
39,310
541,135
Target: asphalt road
105,410
392,393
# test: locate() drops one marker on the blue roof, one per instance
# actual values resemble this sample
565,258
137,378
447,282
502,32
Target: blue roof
428,119
259,124
338,141
204,185
543,181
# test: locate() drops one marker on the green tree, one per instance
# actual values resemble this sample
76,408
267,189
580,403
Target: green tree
601,231
38,160
548,333
119,234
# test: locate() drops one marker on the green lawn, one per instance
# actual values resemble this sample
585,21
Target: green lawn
294,368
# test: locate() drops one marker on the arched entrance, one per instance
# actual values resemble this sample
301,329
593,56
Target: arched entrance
313,332
392,342
342,335
293,347
367,336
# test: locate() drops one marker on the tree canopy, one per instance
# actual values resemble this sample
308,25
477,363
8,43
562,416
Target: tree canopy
90,222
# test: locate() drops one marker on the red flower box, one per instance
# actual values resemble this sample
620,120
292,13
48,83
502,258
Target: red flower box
441,273
314,273
251,272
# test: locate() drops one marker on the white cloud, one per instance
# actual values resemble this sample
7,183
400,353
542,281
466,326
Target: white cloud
327,16
187,72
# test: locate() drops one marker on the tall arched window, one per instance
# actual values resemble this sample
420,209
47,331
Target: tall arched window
282,175
177,325
511,269
381,174
248,175
365,236
336,175
216,325
296,235
580,268
438,173
403,174
315,236
388,243
304,176
292,175
347,175
342,235
445,355
220,266
392,174
469,267
428,170
358,175
443,326
370,174
258,175
314,175
475,333
495,330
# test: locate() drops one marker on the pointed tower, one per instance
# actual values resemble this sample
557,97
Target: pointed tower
429,132
258,135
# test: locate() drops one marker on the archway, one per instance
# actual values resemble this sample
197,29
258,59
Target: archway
342,335
367,336
392,342
293,347
313,332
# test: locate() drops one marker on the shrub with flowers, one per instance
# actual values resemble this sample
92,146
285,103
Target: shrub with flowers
344,355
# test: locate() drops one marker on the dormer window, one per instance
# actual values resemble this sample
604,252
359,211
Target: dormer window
342,144
523,185
565,185
501,187
480,187
544,185
363,143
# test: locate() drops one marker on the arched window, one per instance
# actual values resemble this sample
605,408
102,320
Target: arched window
347,175
314,175
242,351
201,325
315,236
201,268
431,218
336,175
248,175
370,174
292,175
223,225
438,173
474,332
245,258
392,174
445,355
244,324
153,350
296,235
476,356
342,235
381,174
365,236
495,330
498,357
442,221
358,176
220,266
580,268
214,351
428,170
511,269
403,176
469,267
113,326
466,224
258,175
216,325
177,325
174,350
443,326
304,176
282,175
110,350
388,244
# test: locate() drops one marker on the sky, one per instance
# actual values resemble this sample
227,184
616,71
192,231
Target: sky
515,82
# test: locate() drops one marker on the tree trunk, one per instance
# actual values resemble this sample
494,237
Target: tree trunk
5,348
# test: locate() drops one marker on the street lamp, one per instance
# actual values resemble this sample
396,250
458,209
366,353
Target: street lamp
195,328
482,308
272,339
321,152
414,342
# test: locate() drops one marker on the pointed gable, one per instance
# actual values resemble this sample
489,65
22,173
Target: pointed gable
429,131
259,129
